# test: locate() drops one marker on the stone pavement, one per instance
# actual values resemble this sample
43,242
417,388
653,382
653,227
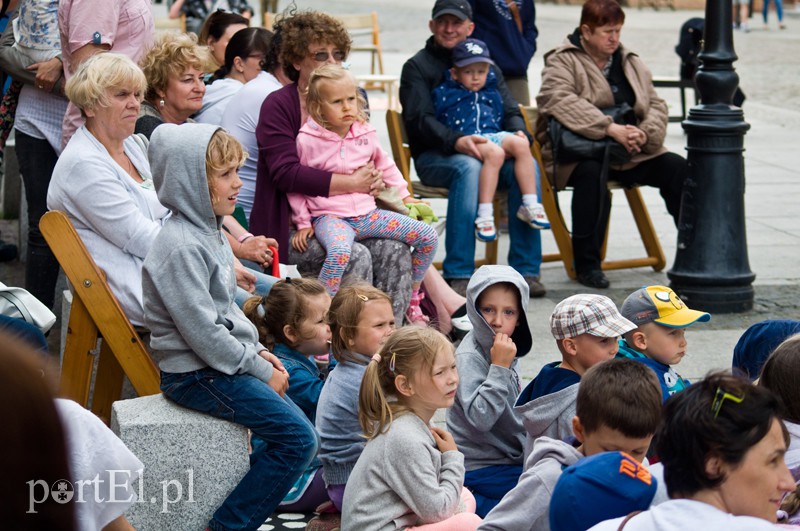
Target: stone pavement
769,77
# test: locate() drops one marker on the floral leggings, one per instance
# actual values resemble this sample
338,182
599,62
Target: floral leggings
337,235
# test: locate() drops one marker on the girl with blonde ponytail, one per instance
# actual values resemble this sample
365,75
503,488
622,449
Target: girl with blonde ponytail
410,474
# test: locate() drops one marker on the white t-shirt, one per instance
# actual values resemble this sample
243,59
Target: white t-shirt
685,515
93,450
240,119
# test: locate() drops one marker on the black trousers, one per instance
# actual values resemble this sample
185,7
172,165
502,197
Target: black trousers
591,203
37,158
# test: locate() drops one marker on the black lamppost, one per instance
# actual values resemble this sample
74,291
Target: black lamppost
711,270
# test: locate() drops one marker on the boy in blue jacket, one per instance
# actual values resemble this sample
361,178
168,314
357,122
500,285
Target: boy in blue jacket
469,101
659,340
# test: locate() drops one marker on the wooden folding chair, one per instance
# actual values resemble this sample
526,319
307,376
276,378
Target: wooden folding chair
366,25
171,24
95,314
402,158
269,19
655,254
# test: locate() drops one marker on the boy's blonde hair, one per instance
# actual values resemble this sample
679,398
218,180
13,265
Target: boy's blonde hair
286,304
345,313
89,85
223,151
408,351
331,74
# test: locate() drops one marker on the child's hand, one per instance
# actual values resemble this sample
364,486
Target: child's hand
300,239
244,278
503,351
444,440
280,377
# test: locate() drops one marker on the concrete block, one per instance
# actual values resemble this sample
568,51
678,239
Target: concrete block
191,461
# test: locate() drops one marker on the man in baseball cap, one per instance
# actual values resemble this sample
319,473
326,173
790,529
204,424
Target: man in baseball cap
458,8
447,158
659,341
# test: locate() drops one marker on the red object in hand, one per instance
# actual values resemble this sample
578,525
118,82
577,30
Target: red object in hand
276,266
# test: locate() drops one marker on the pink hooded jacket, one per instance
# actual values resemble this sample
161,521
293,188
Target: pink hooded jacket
325,150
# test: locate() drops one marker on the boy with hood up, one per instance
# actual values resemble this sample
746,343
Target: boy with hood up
208,351
482,420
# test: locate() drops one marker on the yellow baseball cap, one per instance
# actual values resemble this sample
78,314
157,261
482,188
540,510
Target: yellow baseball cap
659,304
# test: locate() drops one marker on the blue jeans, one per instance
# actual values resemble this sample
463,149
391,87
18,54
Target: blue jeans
459,173
289,439
264,283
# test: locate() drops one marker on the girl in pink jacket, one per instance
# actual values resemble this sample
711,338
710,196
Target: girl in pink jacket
337,138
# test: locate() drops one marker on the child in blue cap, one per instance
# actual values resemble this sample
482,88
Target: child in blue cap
659,340
469,101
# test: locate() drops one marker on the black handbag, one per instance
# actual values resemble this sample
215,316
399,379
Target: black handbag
572,147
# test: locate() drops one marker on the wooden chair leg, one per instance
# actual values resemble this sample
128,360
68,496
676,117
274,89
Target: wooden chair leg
646,229
559,230
604,247
76,368
108,382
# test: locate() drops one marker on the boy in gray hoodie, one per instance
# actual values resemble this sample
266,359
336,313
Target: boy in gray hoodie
618,409
208,351
482,420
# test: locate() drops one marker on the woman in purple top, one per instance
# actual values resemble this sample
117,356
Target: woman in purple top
310,39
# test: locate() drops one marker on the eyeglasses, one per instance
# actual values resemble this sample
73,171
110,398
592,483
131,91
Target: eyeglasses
719,398
321,57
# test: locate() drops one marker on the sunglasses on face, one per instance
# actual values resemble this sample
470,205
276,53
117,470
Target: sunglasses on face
321,57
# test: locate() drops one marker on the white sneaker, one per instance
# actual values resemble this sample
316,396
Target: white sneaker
485,230
534,216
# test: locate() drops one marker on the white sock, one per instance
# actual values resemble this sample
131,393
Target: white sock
530,200
485,210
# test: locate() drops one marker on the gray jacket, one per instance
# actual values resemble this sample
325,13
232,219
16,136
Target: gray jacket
527,506
402,480
482,420
549,415
188,279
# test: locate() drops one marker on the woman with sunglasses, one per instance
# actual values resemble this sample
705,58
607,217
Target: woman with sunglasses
243,57
310,39
722,446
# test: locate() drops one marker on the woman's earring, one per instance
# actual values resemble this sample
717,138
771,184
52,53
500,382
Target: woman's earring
161,102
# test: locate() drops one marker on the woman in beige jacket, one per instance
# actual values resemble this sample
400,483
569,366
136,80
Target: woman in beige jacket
590,71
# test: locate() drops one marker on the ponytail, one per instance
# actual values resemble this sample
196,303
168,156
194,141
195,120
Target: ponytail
374,413
254,310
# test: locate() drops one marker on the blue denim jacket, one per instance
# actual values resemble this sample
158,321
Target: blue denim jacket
305,380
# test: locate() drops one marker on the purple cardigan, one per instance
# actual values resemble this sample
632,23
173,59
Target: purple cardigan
279,169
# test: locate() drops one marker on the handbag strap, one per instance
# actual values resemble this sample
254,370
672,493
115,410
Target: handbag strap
627,518
514,10
19,305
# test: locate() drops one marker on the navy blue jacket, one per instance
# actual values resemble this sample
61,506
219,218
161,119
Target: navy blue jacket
305,380
494,25
466,111
423,73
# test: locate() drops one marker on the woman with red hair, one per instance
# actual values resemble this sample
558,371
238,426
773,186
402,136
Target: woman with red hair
588,72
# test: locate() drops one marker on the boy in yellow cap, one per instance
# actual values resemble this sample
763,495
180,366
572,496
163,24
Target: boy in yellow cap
659,341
